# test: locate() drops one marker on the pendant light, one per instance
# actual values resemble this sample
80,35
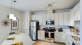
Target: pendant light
14,18
11,15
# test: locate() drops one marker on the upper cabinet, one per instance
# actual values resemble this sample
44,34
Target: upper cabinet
33,17
66,18
44,19
75,14
56,19
59,18
63,18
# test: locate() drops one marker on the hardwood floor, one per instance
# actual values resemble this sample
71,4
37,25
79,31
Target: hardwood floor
46,43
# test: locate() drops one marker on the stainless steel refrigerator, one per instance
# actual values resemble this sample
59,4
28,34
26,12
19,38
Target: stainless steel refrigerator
34,30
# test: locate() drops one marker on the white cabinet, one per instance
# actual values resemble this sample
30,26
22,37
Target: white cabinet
47,17
37,17
56,18
33,17
77,15
59,18
68,41
77,12
40,18
41,35
61,15
60,37
51,16
56,35
66,20
71,18
44,19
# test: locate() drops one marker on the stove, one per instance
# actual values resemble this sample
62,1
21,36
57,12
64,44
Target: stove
49,29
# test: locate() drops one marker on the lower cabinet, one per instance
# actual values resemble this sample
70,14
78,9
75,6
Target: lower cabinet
68,41
56,35
60,37
41,35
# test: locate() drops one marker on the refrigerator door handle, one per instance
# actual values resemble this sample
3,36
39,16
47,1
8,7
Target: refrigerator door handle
35,34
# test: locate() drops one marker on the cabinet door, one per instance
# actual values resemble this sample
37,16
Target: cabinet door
44,19
66,18
71,18
61,18
56,37
37,17
33,17
40,19
56,18
62,38
51,16
41,35
68,41
77,15
47,17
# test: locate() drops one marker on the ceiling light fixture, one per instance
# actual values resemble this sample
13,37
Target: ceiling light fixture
11,15
14,18
14,8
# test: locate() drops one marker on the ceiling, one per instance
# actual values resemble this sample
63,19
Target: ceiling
37,5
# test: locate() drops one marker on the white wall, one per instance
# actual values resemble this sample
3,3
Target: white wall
4,31
26,22
81,22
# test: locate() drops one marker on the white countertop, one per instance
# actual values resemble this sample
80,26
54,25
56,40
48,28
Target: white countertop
23,37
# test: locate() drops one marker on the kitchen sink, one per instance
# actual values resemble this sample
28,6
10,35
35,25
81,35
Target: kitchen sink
76,38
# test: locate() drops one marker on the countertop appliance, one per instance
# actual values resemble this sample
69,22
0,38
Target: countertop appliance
34,30
50,22
60,30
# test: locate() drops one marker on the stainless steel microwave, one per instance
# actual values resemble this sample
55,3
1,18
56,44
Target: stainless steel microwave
50,22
